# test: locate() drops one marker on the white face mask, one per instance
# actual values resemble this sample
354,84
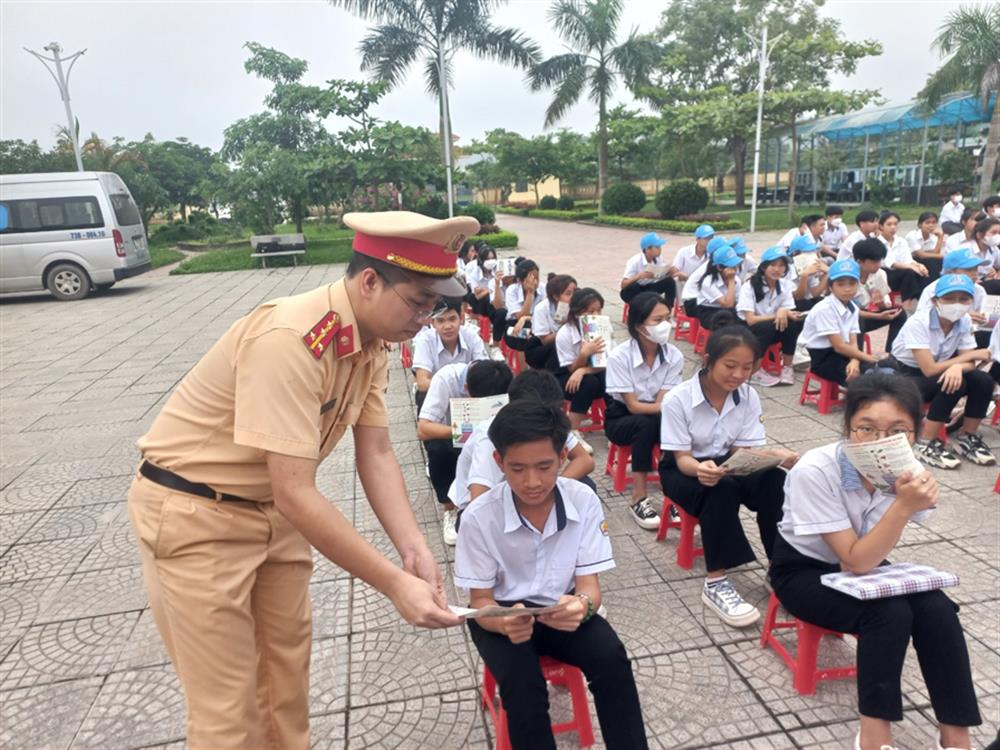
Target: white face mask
836,222
956,199
872,235
995,212
660,333
953,311
992,240
490,265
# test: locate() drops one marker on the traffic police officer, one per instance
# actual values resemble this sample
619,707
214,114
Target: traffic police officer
225,504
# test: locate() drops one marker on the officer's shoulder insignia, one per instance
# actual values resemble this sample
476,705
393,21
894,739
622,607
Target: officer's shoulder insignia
321,335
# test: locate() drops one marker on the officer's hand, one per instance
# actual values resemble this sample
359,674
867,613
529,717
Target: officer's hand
417,602
422,565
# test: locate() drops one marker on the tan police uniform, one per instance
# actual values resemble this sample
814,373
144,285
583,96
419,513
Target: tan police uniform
227,575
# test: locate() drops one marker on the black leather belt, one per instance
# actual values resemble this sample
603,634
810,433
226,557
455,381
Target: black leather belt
173,481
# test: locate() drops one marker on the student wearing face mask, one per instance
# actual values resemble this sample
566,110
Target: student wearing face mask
966,263
991,206
926,243
936,348
985,243
951,212
640,372
835,232
549,314
478,275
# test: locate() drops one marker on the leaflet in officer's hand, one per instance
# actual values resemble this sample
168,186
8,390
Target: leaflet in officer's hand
748,461
498,611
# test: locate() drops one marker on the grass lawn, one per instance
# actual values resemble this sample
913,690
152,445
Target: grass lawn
316,231
164,256
318,252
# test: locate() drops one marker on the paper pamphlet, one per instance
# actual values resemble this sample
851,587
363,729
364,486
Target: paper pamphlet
594,327
499,611
748,461
881,462
803,261
506,266
991,309
466,413
658,271
562,312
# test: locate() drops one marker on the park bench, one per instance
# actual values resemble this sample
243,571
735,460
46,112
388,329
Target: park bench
276,246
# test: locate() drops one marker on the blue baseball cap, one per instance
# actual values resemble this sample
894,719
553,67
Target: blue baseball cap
846,268
739,245
717,243
774,253
705,230
954,282
651,240
726,257
803,244
963,258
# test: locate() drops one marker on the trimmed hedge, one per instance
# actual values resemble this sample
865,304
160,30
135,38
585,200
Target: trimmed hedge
548,203
664,224
512,210
622,197
538,213
680,198
499,239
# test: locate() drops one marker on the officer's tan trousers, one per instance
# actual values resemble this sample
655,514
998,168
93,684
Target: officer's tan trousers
229,588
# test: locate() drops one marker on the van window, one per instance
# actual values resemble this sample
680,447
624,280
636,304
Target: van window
126,211
48,214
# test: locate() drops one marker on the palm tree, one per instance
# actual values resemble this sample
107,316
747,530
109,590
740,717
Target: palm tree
436,30
590,28
971,35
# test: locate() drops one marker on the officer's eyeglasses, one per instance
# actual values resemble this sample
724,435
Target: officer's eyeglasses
866,433
420,314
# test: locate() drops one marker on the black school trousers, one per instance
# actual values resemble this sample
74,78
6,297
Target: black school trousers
665,287
498,317
767,334
595,648
832,366
442,458
718,509
884,628
907,282
977,387
591,388
868,325
640,431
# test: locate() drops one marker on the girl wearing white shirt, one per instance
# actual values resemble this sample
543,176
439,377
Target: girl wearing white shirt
767,306
704,421
994,350
581,383
547,318
520,299
834,519
986,243
639,374
970,217
906,276
719,288
926,243
482,277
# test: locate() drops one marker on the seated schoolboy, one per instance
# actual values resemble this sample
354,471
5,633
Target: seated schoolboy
831,332
867,223
477,471
719,287
704,421
547,318
801,230
937,350
811,284
953,211
815,225
640,372
445,342
484,377
926,243
966,263
538,539
637,278
905,275
874,301
834,233
834,520
767,306
689,257
581,382
689,290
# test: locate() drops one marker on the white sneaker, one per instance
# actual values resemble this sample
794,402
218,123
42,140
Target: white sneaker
586,446
764,379
857,744
496,354
787,376
723,599
644,514
448,530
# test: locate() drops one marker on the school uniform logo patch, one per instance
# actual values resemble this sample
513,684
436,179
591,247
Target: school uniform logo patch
604,528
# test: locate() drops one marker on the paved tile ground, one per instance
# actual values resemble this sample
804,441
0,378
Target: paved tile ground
81,665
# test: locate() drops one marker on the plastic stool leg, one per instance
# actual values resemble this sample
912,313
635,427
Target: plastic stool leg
804,677
581,711
685,549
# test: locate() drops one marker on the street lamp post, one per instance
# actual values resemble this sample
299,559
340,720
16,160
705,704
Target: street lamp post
62,81
445,121
765,53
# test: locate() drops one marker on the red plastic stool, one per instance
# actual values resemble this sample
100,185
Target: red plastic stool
996,414
996,487
625,313
510,355
827,395
805,675
686,551
405,356
485,329
596,415
772,360
686,327
619,457
556,673
701,339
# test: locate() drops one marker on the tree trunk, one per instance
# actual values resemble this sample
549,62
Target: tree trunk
793,173
602,151
184,211
537,201
739,146
299,210
990,157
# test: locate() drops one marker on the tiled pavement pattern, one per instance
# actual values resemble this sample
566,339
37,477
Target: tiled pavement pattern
81,665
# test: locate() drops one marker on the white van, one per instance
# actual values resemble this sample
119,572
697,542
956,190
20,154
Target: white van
68,232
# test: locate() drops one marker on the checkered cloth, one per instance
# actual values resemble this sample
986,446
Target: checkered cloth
898,579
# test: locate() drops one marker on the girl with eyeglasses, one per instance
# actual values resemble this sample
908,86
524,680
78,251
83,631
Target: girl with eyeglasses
834,519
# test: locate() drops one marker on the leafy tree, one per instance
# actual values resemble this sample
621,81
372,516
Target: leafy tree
971,36
180,167
825,159
18,157
149,195
953,167
590,28
576,160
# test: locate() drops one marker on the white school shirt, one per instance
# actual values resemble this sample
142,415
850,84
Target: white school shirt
790,235
978,298
772,302
918,244
476,464
824,494
514,298
568,342
690,288
877,281
688,422
833,236
830,316
994,346
687,259
429,352
896,252
628,373
543,321
846,250
637,264
793,277
952,212
711,292
498,549
476,277
922,330
446,384
460,266
748,267
957,240
991,254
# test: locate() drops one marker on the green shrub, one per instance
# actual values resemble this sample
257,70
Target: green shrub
320,252
548,203
565,203
178,232
512,210
563,215
622,197
883,191
480,212
432,205
500,239
664,224
681,198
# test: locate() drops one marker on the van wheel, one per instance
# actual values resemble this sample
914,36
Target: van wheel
67,281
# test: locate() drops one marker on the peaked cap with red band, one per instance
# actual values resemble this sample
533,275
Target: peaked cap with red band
413,242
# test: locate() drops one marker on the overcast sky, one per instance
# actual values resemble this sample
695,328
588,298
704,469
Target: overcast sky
176,68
